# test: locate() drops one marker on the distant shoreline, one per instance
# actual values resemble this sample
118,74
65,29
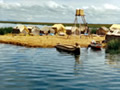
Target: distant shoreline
52,23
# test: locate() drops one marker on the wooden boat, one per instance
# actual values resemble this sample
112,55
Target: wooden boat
95,46
69,48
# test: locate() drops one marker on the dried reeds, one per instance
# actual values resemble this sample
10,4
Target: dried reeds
47,41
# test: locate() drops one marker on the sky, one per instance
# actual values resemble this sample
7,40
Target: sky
60,11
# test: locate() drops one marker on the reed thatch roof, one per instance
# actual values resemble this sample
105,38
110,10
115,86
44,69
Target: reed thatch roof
47,29
22,29
115,27
59,28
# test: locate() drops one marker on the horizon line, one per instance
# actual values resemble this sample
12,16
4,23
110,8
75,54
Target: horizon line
41,23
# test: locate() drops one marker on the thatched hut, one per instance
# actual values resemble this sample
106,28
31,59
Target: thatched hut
82,29
20,29
115,27
15,31
34,30
68,30
59,29
47,30
114,32
102,30
75,31
72,30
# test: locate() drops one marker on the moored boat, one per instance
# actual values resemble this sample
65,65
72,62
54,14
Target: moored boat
95,45
74,49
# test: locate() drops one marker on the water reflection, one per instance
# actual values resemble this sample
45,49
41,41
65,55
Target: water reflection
41,69
96,51
78,63
113,60
77,57
93,50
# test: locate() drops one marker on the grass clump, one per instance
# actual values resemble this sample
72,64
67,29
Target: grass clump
113,47
5,30
93,30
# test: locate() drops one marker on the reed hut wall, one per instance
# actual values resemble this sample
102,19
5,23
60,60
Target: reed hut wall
68,32
102,31
15,31
112,37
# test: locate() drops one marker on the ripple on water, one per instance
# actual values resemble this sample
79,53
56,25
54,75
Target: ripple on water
39,68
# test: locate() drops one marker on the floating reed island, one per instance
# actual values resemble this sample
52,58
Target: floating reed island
48,41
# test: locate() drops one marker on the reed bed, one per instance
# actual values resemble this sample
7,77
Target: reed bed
5,30
47,41
113,46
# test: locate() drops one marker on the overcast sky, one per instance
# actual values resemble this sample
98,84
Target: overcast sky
96,11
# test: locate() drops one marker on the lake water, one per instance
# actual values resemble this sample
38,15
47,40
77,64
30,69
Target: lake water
47,69
3,25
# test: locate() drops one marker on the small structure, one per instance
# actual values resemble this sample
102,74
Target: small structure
47,30
82,28
115,27
59,29
102,30
68,30
72,30
75,30
15,30
114,32
34,30
20,29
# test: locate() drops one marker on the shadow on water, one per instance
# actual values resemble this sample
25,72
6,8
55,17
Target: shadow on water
113,60
77,57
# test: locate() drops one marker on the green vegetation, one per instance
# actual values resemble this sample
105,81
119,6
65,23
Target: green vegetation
9,30
5,30
113,47
52,23
93,30
98,25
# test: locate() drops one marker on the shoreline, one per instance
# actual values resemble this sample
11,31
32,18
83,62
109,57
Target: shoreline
52,23
47,41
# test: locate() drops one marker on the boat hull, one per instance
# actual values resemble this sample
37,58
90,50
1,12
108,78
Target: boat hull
96,46
69,49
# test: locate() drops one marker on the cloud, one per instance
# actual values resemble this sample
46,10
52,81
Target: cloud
52,11
106,13
46,12
52,4
110,6
103,7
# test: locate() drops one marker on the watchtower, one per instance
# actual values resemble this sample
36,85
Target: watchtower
80,15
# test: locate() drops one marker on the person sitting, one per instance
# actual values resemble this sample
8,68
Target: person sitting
93,42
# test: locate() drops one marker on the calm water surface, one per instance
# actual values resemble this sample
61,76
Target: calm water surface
47,69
